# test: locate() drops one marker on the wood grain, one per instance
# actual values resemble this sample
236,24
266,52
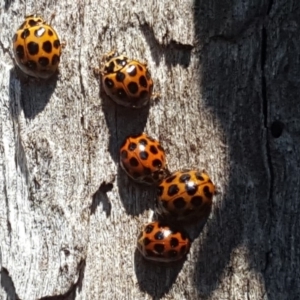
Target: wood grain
228,74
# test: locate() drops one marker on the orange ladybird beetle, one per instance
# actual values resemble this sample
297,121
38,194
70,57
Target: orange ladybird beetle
163,243
127,82
185,195
36,48
143,159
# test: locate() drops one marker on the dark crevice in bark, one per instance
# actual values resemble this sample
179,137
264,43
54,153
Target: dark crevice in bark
82,88
270,4
267,260
263,78
81,80
264,53
264,58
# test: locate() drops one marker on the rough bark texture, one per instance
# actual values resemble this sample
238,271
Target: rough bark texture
228,73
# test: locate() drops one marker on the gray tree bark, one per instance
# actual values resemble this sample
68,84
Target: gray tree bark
228,76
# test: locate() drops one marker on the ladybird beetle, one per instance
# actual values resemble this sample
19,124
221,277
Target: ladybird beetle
185,195
36,48
163,243
143,159
127,82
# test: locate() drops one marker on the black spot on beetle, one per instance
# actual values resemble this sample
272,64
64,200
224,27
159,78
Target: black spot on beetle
191,189
25,33
159,248
133,162
179,203
170,179
174,242
132,146
157,163
159,235
55,60
207,192
173,190
131,70
39,32
199,176
143,142
120,76
184,177
20,52
143,81
121,62
44,61
109,83
110,68
196,200
153,149
143,155
33,48
133,87
151,139
32,22
149,228
56,44
47,47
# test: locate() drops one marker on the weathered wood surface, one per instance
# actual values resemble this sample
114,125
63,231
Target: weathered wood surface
69,217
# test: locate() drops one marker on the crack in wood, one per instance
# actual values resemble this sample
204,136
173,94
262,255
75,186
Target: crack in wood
264,53
267,260
264,50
